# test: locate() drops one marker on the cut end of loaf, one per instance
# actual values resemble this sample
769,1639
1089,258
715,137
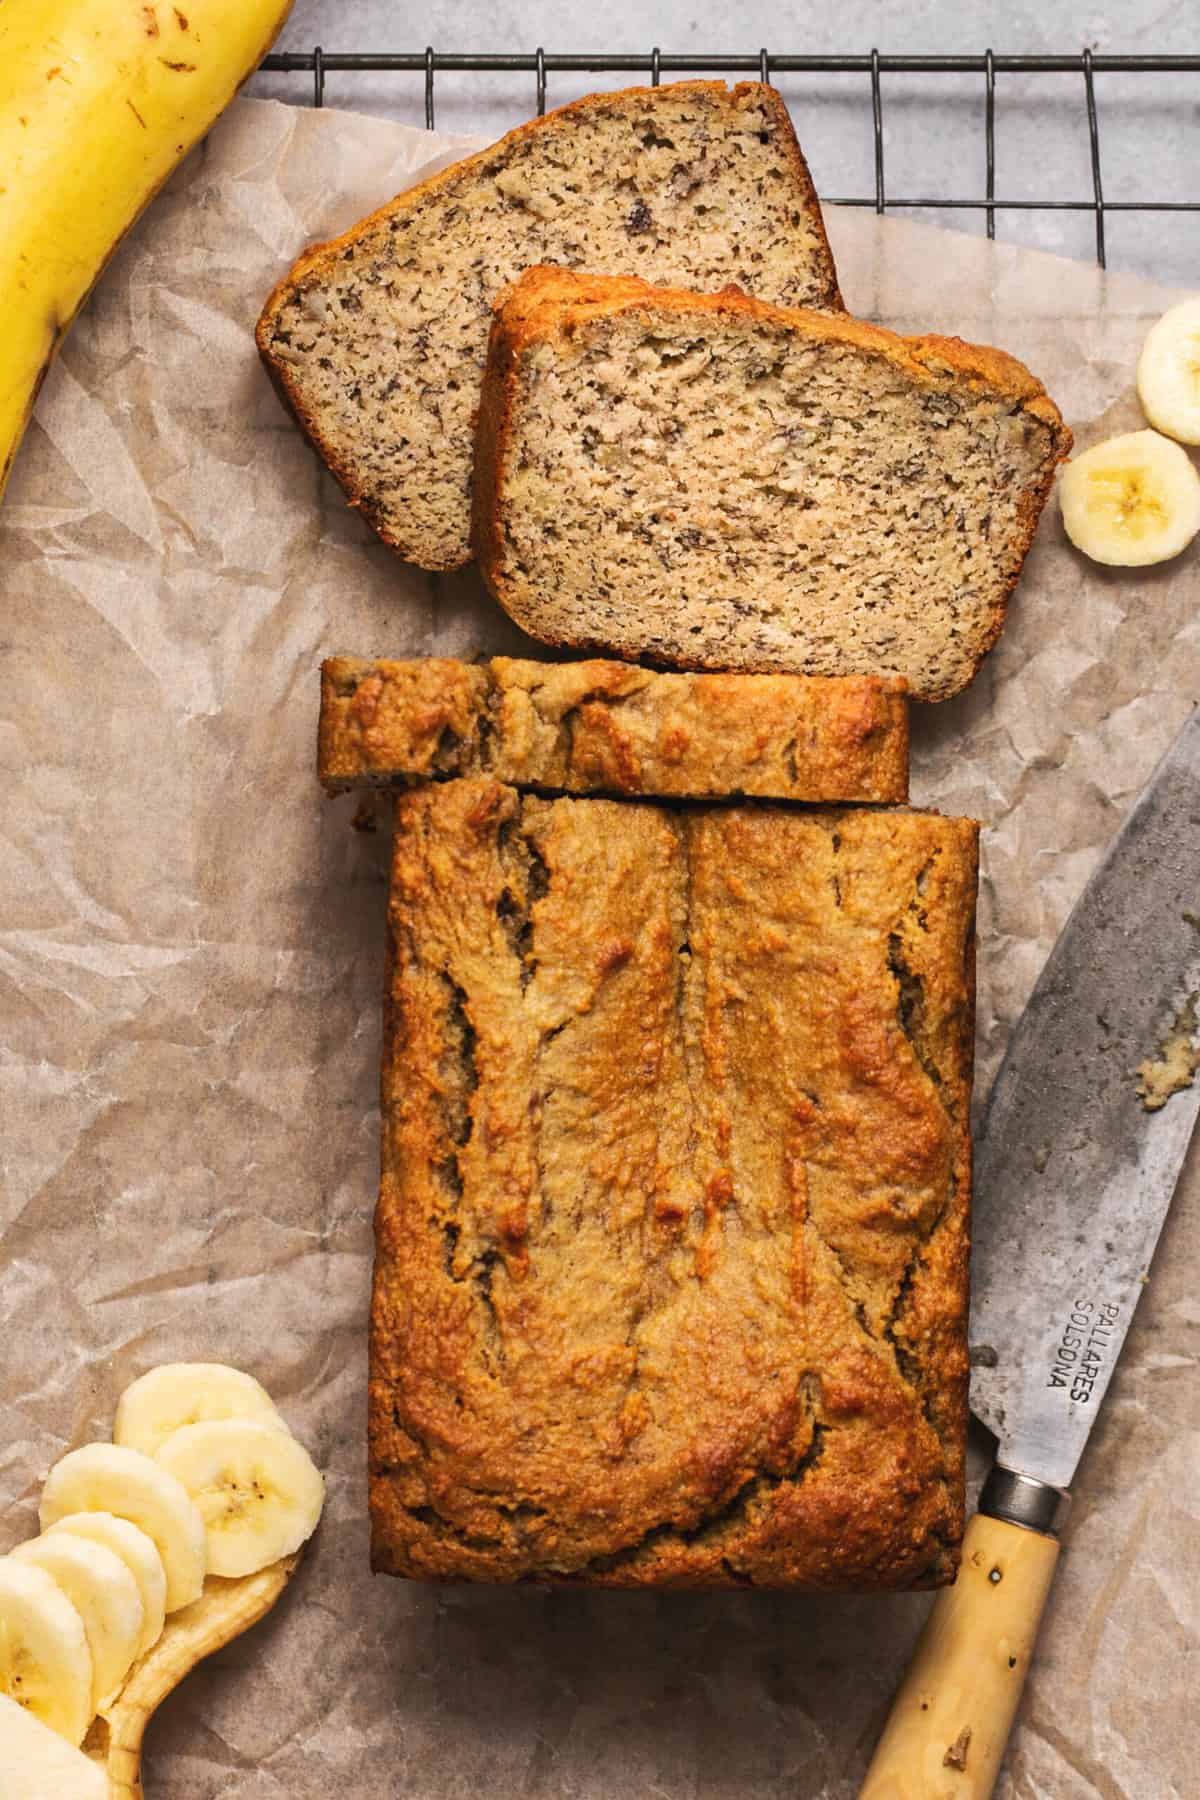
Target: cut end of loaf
708,481
600,727
377,340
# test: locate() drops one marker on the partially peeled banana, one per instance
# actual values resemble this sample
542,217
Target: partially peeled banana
99,100
146,1564
38,1763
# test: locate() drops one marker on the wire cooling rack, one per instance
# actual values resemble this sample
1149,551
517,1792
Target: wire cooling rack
762,64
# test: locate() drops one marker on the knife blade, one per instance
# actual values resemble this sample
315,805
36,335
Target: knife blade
1074,1174
1081,1144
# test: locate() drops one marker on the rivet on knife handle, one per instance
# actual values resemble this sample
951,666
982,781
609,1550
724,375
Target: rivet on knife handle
949,1723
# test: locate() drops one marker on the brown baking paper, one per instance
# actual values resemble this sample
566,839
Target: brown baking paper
191,950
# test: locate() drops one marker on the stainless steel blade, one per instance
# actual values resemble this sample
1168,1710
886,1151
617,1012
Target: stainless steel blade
1073,1174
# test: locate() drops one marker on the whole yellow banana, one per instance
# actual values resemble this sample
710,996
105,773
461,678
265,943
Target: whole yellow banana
99,100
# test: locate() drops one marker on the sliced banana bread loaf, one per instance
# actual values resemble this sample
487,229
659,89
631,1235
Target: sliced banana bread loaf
712,482
671,1247
378,339
607,727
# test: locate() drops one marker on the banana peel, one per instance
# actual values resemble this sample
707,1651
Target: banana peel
99,100
224,1610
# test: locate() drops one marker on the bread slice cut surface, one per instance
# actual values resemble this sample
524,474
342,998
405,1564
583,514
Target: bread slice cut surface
378,339
671,1247
711,482
607,727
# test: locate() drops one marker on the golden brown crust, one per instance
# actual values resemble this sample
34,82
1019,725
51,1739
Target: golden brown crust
670,1281
493,435
552,305
609,727
387,721
321,257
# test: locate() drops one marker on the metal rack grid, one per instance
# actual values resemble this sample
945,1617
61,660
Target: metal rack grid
763,64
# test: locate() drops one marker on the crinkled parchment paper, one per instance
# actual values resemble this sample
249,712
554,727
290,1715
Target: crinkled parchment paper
191,958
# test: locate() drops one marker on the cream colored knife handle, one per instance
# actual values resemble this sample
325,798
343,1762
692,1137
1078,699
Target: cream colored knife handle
949,1722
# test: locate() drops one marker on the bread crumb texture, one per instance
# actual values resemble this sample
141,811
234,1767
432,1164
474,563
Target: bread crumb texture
607,727
671,1271
709,482
1174,1067
378,339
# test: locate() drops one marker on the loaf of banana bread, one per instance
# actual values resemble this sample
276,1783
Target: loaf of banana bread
671,1246
608,727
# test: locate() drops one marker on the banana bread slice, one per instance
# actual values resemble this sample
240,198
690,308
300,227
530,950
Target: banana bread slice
378,339
715,483
608,727
671,1246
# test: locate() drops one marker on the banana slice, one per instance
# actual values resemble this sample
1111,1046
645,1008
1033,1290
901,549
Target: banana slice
105,1596
36,1764
45,1664
1132,500
1168,373
259,1492
140,1557
110,1478
178,1394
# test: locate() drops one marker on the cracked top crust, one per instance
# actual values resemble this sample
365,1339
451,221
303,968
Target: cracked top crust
671,1269
607,727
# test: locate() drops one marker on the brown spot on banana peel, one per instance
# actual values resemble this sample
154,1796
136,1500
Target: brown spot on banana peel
150,19
137,115
956,1755
180,68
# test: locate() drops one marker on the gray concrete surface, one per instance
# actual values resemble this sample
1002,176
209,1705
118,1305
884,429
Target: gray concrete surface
933,125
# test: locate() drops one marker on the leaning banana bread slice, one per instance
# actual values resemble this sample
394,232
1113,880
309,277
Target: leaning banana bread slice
671,1247
607,727
378,339
715,483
